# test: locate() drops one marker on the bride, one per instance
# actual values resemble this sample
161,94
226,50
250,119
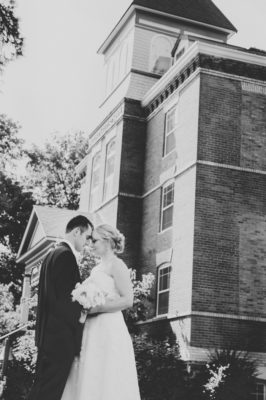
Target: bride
106,367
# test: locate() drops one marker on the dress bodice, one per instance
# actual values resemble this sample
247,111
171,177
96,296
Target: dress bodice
104,281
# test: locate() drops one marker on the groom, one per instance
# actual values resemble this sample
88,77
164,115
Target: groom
58,331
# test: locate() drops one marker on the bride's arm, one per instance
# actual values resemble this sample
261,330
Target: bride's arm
121,276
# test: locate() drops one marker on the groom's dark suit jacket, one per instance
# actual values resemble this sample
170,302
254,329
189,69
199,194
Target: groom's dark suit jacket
58,332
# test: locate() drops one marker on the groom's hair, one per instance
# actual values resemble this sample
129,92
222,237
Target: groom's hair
79,222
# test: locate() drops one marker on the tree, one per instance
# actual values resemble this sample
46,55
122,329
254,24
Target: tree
11,146
15,208
10,36
51,170
15,202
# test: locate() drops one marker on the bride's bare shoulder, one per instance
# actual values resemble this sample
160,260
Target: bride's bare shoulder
119,265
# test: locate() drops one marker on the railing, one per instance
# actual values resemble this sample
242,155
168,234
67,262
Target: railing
6,355
7,335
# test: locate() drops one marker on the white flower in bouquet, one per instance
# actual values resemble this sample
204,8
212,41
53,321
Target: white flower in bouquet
88,295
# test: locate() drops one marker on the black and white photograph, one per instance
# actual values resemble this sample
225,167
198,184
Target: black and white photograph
132,200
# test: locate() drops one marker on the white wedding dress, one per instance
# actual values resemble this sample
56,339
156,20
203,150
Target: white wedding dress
106,368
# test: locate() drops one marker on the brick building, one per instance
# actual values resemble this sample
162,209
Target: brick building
178,163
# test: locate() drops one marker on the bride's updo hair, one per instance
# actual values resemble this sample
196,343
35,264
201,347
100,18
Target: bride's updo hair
116,238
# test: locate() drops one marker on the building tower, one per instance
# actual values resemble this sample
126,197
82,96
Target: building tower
177,163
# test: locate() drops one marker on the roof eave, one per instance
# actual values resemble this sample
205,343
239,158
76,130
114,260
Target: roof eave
133,8
116,29
24,257
210,49
29,224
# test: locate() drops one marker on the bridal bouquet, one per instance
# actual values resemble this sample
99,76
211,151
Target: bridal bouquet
88,294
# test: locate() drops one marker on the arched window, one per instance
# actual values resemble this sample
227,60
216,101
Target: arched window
160,54
95,180
163,288
109,169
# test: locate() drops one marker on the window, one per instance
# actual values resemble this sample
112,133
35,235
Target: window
109,169
170,131
95,180
259,392
160,54
163,289
179,54
167,206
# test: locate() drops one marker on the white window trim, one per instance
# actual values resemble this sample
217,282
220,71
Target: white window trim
162,266
172,182
166,134
264,394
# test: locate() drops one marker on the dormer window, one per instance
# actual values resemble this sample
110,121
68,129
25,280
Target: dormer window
181,45
179,53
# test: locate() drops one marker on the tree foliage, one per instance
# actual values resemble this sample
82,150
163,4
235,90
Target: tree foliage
15,208
15,202
11,146
11,273
9,314
142,299
51,172
12,41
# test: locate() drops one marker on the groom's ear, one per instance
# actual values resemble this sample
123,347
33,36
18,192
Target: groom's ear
76,231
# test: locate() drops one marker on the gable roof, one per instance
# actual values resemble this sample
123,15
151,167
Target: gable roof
204,11
201,12
48,224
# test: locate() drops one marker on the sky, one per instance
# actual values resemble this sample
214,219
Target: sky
56,85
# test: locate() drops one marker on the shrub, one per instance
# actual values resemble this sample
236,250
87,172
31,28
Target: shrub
229,375
141,303
162,374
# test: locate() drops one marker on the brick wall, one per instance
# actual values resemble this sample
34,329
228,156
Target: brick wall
230,242
219,120
133,152
210,332
129,223
253,129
